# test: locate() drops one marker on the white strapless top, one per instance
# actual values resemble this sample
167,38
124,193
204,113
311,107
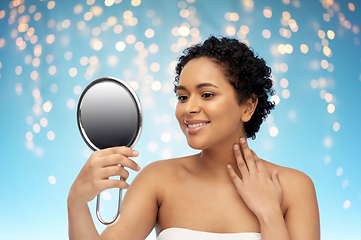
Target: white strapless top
187,234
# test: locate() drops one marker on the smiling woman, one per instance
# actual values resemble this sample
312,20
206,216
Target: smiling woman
224,192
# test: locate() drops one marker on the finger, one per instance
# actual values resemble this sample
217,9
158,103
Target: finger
117,170
118,159
248,156
259,163
125,151
276,180
240,161
235,179
114,183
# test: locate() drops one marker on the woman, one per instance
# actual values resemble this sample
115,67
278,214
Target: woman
224,192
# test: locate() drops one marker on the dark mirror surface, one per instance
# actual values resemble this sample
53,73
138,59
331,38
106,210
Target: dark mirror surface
108,115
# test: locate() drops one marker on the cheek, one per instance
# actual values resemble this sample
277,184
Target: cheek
178,113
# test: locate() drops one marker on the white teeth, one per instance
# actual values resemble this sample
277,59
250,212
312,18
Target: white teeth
197,125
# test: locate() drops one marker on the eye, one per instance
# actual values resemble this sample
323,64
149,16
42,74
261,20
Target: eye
182,98
207,95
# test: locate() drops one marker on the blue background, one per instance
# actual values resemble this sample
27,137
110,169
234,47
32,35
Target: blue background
41,158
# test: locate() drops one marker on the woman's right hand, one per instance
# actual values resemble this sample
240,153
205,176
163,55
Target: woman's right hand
94,176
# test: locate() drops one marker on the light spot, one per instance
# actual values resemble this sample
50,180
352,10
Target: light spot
322,83
51,4
52,180
2,42
128,14
47,106
152,147
351,6
130,39
173,102
267,12
77,90
166,154
135,3
286,93
66,23
43,122
184,31
321,34
70,103
328,97
112,60
156,86
327,159
330,108
36,62
165,137
327,142
154,67
244,29
339,171
53,88
49,59
52,70
36,128
283,67
29,120
68,55
336,127
266,33
73,72
314,83
97,45
292,115
231,31
284,82
134,85
106,196
18,70
347,204
345,184
88,16
29,136
36,93
78,9
269,119
118,29
286,15
276,99
120,46
149,33
108,3
166,119
29,144
273,131
153,48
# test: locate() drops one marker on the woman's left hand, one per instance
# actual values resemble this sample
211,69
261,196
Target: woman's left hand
261,192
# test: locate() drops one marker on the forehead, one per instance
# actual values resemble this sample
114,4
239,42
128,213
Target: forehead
200,70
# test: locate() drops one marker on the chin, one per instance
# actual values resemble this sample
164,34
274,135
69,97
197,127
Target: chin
197,145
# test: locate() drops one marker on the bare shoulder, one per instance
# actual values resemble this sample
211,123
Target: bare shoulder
163,171
296,185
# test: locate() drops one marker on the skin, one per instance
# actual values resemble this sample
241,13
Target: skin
226,188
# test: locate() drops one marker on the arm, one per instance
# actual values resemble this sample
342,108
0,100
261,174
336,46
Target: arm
263,194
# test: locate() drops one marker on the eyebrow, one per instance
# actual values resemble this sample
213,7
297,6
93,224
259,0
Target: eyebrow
206,84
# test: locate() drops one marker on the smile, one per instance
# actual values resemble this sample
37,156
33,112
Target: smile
197,125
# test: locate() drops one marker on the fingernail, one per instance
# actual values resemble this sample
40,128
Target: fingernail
242,140
135,153
235,147
138,168
229,166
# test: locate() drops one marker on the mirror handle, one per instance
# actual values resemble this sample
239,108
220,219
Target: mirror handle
117,215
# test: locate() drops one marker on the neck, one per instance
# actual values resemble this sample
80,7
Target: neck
214,160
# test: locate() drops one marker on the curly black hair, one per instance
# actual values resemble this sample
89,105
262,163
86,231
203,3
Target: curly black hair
245,70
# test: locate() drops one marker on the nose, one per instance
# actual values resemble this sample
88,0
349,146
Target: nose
191,106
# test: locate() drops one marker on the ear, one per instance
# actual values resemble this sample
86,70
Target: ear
249,107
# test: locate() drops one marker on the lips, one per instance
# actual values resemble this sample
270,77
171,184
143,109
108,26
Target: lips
194,126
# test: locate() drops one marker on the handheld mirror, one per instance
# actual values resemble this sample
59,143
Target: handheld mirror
109,114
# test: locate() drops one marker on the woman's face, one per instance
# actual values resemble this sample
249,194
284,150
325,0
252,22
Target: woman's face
207,110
